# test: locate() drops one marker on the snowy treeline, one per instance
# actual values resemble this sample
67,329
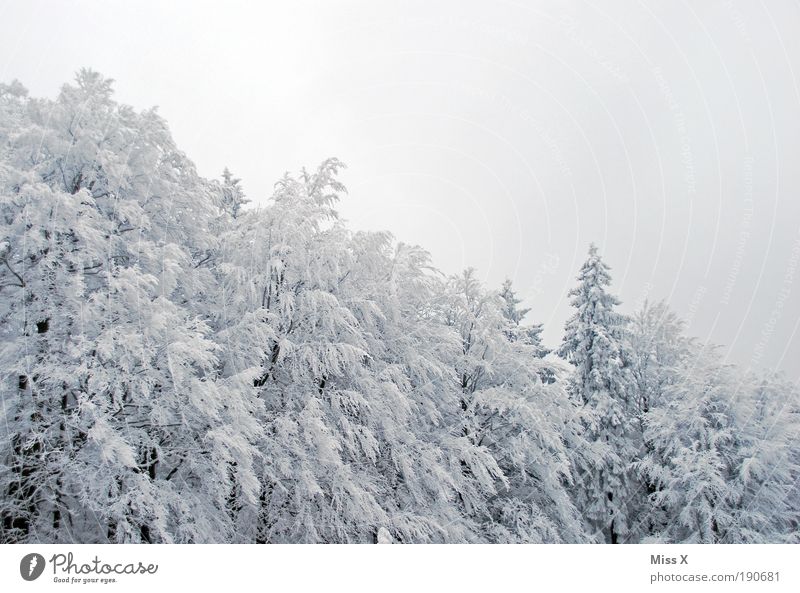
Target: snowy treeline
178,368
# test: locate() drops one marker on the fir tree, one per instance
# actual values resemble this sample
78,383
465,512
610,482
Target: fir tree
233,197
594,342
530,334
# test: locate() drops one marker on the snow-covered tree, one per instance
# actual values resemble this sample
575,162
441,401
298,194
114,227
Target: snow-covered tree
177,368
516,416
721,455
718,459
114,426
233,197
333,332
657,351
657,347
531,334
690,438
595,343
766,471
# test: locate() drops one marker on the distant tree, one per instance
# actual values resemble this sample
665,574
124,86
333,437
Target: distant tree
657,348
233,197
531,334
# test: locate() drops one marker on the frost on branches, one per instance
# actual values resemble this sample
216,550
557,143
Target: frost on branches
180,367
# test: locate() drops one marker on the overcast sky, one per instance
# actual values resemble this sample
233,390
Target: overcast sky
506,136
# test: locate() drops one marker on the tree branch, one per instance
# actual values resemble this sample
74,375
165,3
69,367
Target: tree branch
10,269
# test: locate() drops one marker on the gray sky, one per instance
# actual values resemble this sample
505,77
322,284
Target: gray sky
505,136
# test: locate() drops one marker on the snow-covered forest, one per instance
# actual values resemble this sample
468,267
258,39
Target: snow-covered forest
178,366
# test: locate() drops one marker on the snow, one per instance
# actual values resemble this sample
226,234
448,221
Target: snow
180,367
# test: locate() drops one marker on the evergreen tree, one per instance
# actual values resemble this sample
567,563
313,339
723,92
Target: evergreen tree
233,197
530,334
594,342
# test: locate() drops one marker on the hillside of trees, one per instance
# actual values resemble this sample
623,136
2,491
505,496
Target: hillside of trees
180,367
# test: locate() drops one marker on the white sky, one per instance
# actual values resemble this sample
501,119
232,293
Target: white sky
501,135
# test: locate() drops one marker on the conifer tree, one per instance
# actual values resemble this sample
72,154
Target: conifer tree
594,342
530,334
233,197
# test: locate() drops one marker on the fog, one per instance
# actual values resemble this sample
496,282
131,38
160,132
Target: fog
504,136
